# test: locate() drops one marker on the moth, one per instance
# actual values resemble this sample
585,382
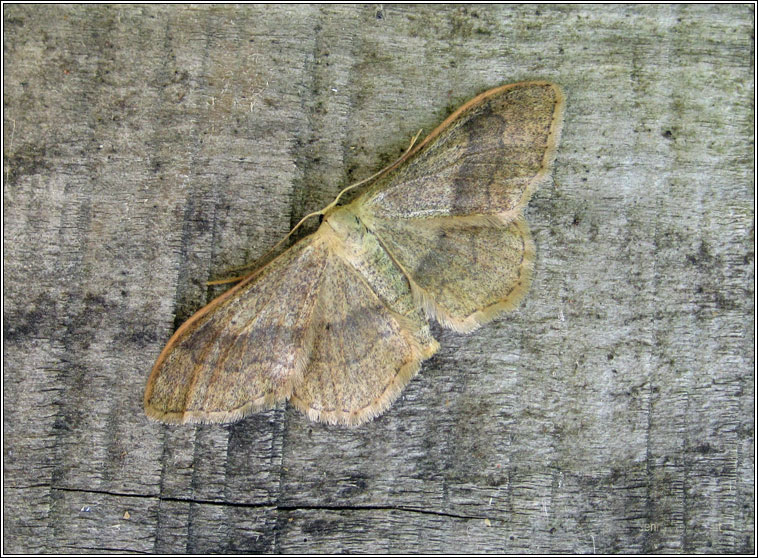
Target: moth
339,323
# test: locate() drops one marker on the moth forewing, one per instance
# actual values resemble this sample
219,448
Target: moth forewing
487,158
242,352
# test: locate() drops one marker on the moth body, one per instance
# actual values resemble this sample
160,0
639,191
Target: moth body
354,242
338,324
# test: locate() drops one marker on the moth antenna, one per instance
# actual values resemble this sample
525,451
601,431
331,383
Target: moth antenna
225,281
322,211
268,253
376,174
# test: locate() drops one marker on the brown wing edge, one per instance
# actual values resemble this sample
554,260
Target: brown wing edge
548,159
393,389
262,403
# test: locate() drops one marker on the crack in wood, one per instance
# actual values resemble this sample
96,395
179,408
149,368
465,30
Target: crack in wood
278,507
105,549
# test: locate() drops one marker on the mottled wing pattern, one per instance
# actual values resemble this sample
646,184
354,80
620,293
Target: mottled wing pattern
245,350
364,353
306,327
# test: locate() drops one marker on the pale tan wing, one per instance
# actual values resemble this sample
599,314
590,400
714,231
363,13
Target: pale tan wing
451,215
487,158
364,353
464,270
246,349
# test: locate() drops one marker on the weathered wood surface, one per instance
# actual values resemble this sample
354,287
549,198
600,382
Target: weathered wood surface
149,149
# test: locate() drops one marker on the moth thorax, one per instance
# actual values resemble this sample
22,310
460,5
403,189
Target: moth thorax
346,223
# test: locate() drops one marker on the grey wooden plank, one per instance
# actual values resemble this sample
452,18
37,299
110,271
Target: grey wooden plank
149,149
88,522
232,529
